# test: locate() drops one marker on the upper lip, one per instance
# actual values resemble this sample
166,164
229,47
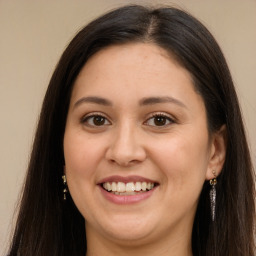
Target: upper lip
126,179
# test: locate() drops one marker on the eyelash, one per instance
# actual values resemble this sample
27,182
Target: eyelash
161,115
166,118
85,120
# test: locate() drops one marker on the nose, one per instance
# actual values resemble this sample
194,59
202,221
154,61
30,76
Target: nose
126,148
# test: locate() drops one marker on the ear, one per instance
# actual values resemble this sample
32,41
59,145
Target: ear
217,153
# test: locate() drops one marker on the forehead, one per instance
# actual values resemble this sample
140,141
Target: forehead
139,65
148,56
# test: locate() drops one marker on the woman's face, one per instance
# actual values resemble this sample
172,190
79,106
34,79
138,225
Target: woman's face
136,145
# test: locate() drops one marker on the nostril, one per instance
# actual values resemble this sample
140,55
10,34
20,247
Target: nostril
124,163
125,151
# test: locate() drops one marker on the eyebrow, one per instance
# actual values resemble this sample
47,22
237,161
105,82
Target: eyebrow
93,99
142,102
157,100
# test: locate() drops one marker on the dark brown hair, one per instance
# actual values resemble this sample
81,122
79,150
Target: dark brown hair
48,226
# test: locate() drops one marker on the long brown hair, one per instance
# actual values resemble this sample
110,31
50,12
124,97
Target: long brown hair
48,226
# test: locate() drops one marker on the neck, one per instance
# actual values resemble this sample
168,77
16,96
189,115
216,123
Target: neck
178,245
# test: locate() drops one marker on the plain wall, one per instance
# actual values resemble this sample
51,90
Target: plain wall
33,36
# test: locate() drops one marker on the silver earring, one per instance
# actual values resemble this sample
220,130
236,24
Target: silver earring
65,190
213,183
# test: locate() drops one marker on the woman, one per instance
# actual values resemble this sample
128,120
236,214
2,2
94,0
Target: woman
140,147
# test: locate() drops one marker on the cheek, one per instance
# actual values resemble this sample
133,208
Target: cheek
81,160
82,154
183,159
82,157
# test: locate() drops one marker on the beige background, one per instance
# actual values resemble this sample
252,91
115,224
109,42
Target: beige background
34,34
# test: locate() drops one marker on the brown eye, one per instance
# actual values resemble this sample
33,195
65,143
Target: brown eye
98,120
95,120
159,120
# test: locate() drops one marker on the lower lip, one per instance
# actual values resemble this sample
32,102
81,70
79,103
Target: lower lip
117,199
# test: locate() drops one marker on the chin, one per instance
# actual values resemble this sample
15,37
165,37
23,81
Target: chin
127,230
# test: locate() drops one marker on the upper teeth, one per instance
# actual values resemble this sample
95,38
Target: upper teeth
127,187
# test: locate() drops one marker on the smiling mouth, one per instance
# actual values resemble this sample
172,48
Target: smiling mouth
129,188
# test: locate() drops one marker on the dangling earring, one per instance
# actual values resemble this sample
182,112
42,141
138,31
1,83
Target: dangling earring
213,183
65,190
